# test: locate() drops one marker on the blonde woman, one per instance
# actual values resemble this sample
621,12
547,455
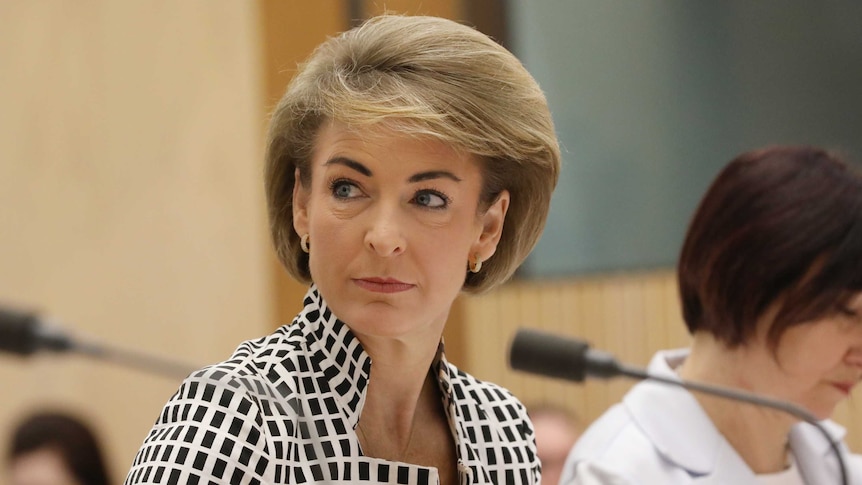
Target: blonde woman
411,158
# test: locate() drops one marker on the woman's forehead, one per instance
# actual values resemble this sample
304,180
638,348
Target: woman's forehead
336,139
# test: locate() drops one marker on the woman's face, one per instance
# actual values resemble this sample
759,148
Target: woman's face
393,221
818,364
40,467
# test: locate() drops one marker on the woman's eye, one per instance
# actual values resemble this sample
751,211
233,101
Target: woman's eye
431,199
847,311
343,189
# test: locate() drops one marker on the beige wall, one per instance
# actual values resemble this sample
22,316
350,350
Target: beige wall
130,196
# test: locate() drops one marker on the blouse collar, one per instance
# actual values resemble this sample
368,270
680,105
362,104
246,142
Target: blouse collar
342,359
336,351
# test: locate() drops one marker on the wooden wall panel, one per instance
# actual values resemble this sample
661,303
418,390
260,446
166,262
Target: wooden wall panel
290,31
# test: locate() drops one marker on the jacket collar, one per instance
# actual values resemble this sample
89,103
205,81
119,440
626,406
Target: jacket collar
336,351
341,358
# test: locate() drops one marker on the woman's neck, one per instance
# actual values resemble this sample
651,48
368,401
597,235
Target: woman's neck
758,434
401,390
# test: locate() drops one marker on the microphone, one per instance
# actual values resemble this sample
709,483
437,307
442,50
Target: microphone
551,355
25,333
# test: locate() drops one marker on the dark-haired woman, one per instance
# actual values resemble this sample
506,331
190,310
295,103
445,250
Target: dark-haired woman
55,448
770,278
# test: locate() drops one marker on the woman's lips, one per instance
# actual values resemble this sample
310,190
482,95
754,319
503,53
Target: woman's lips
383,285
844,387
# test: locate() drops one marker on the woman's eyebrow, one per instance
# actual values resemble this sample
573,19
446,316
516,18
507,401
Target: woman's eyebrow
429,175
433,174
350,164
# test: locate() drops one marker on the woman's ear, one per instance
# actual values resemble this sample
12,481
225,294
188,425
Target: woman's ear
492,227
300,205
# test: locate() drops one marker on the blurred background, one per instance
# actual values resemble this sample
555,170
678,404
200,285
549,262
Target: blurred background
131,204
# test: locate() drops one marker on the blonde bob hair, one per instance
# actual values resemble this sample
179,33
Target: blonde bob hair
426,77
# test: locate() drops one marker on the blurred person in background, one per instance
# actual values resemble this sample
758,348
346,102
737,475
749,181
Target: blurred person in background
556,428
770,280
55,448
411,159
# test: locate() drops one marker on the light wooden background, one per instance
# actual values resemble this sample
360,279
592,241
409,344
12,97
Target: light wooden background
131,209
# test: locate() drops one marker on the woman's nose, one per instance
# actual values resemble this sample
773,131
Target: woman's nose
385,236
854,356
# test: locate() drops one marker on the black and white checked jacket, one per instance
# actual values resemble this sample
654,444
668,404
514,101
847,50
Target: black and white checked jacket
283,409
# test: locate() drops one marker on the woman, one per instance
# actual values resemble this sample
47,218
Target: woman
410,158
770,278
54,448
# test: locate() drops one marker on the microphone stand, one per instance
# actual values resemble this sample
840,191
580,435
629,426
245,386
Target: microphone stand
24,333
134,359
739,395
595,363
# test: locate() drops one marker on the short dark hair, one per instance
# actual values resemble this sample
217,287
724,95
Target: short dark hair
70,437
779,227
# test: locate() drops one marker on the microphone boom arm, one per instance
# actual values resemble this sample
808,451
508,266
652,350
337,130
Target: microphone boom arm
553,356
25,333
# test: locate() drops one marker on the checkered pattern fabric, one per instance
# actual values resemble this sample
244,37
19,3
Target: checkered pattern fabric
284,408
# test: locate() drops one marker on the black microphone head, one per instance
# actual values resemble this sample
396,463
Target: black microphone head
17,332
24,333
548,355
